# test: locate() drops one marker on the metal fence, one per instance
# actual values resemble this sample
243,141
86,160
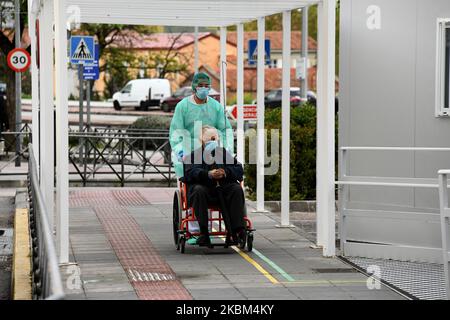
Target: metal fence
120,155
445,221
46,277
384,231
8,139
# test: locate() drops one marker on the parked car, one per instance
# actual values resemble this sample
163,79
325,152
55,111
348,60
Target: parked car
169,104
273,98
142,93
313,100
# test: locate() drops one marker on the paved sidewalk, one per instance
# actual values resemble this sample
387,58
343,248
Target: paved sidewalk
121,239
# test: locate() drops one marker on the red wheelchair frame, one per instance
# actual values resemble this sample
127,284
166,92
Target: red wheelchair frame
182,215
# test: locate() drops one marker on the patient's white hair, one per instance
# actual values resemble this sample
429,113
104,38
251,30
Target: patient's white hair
208,132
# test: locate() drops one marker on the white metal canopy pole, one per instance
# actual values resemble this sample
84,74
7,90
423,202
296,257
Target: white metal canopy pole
223,67
240,93
286,119
34,82
325,127
260,148
18,76
196,65
47,135
62,116
304,54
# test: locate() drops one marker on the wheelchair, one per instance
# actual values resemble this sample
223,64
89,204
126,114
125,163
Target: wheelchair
184,218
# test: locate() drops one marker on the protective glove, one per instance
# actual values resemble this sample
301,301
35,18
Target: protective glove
180,155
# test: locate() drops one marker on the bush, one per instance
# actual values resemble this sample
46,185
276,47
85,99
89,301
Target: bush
302,156
248,99
152,122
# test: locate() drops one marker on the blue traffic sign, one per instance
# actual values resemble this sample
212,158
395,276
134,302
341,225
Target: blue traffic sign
253,51
91,69
82,49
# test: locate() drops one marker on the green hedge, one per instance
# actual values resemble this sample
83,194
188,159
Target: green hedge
302,156
152,122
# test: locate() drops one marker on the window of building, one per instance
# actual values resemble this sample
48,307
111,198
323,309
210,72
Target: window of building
443,69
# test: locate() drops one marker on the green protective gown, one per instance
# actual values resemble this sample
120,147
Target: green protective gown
187,123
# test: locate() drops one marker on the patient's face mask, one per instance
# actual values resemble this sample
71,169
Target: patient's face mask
211,145
210,139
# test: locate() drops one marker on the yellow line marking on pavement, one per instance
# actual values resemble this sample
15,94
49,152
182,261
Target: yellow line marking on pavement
253,263
256,265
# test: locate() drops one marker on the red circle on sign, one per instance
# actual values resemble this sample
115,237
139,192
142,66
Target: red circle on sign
14,53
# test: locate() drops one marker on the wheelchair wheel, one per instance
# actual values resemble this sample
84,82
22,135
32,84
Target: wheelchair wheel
182,244
250,242
177,216
242,242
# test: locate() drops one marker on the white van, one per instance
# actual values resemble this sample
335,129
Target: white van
142,93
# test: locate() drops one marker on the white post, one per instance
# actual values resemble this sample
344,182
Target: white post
240,93
443,203
304,53
62,119
260,110
222,65
196,65
34,83
18,81
47,134
286,118
325,128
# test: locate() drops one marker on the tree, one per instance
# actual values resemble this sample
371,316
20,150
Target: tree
7,44
120,62
169,61
117,65
114,61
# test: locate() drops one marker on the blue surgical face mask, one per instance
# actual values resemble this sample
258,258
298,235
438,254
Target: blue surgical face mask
211,145
202,93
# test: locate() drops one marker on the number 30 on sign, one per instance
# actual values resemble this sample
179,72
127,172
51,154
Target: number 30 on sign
19,60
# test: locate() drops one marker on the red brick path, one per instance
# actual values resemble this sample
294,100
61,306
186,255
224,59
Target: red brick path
150,275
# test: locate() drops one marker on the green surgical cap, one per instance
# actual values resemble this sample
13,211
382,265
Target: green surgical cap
200,77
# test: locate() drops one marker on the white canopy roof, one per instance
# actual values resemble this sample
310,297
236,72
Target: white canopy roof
193,13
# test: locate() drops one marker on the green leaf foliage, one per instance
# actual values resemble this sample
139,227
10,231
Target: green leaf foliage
302,156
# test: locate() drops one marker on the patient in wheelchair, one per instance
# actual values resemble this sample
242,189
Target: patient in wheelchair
211,170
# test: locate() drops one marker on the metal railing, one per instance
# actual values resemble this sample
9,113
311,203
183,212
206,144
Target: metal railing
445,221
346,181
46,277
9,138
124,154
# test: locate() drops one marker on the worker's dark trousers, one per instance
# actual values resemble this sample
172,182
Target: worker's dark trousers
200,196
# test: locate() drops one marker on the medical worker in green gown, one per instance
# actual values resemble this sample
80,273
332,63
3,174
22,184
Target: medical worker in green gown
191,114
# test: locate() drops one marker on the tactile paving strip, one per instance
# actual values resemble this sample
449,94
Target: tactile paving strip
91,198
130,198
150,275
158,195
421,280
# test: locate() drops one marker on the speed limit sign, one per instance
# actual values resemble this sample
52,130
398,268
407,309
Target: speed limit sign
19,60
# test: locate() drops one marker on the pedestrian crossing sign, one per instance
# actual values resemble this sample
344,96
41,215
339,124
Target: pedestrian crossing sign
253,51
82,49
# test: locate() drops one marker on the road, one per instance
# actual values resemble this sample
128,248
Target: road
101,115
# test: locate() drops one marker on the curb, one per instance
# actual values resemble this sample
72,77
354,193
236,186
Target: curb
21,273
299,206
